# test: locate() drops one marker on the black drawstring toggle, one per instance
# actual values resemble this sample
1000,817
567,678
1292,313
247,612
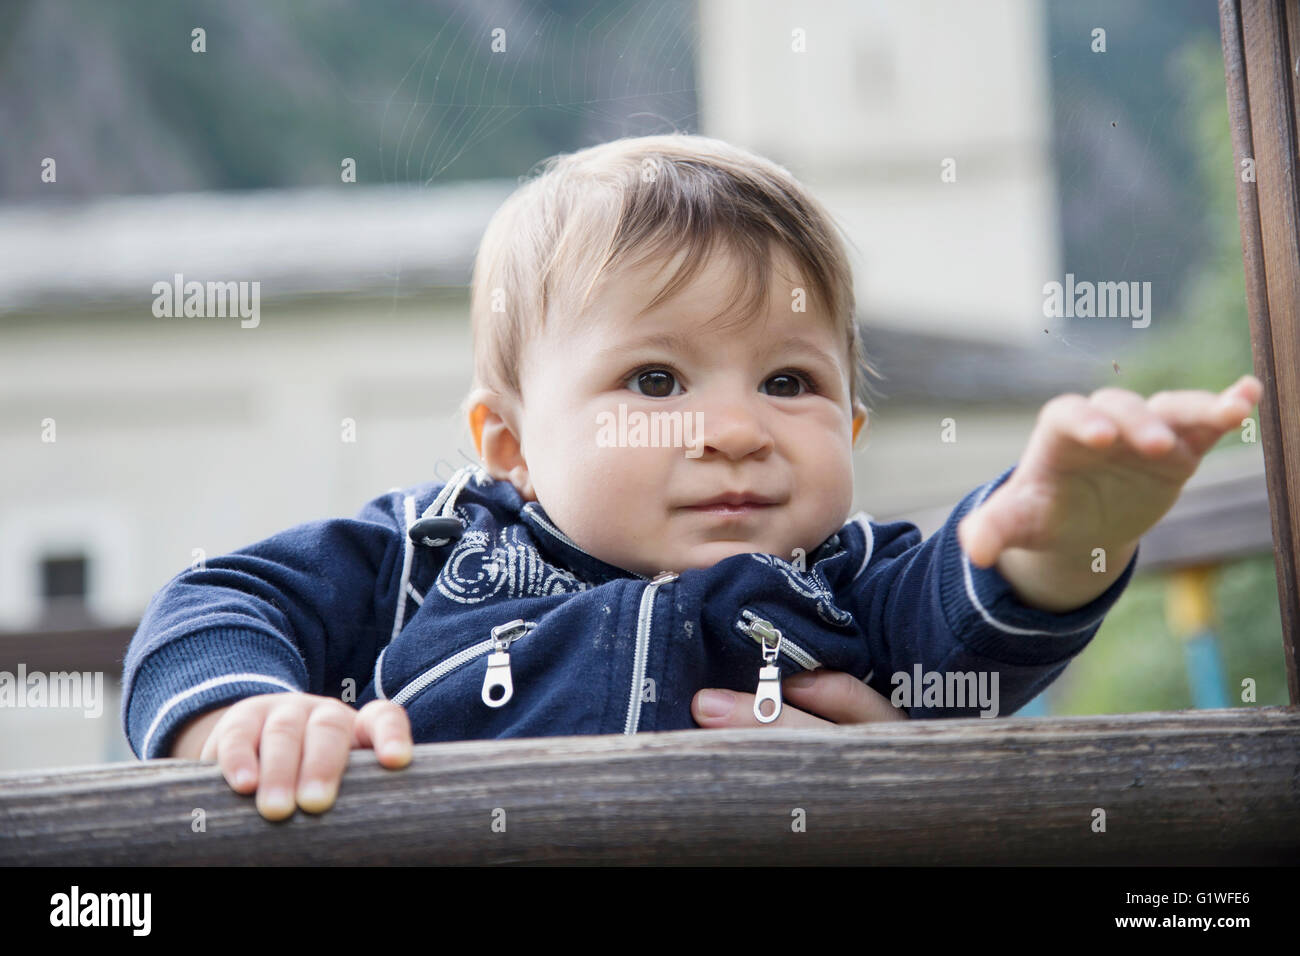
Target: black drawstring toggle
435,532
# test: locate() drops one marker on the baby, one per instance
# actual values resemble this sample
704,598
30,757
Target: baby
668,385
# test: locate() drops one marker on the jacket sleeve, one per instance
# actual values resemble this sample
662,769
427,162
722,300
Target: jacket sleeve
925,608
302,610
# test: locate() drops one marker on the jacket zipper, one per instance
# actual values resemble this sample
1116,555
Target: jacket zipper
498,664
643,618
498,672
769,675
772,642
791,649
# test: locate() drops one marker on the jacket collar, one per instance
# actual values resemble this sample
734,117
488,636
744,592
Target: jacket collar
561,549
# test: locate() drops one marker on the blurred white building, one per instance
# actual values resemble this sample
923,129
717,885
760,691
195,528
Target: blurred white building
870,103
133,445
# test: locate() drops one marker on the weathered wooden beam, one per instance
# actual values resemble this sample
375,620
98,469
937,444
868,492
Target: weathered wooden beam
1191,787
1212,522
1261,40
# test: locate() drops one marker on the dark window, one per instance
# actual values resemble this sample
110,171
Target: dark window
63,577
64,580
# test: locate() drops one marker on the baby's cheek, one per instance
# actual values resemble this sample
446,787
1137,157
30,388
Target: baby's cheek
835,494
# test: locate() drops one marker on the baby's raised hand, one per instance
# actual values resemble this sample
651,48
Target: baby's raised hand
1100,471
293,748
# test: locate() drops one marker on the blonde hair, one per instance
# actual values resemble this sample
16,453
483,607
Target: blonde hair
636,198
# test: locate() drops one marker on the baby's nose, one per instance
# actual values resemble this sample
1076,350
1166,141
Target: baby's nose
733,429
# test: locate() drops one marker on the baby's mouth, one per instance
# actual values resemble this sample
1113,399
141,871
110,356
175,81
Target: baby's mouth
741,505
729,510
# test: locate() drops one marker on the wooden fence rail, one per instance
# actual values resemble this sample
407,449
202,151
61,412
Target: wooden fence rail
1195,787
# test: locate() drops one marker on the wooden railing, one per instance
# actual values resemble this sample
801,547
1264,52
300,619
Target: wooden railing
1171,788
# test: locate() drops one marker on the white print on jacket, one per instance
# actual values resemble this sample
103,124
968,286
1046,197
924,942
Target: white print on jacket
810,585
478,570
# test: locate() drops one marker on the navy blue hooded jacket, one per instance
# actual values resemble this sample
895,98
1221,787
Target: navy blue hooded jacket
495,624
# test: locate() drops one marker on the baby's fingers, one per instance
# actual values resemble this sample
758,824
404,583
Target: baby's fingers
326,745
1248,387
1187,409
1074,416
385,727
1138,425
1098,421
233,744
839,697
715,708
1236,401
280,752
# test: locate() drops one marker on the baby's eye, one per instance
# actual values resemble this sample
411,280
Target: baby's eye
654,383
786,385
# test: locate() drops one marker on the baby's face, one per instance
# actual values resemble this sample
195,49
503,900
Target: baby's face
765,433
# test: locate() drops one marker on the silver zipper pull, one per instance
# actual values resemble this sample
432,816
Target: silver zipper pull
498,663
769,675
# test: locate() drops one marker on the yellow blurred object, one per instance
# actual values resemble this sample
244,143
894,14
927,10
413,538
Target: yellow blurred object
1189,601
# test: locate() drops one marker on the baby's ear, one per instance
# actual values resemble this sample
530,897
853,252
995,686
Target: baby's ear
476,416
859,419
496,442
477,405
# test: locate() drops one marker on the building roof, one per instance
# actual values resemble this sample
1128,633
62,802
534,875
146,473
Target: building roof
342,239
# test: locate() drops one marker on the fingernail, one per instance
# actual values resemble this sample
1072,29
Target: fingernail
1096,430
394,750
1156,433
799,681
313,793
277,801
716,703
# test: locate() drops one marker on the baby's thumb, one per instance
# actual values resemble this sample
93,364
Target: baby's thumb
985,532
384,727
